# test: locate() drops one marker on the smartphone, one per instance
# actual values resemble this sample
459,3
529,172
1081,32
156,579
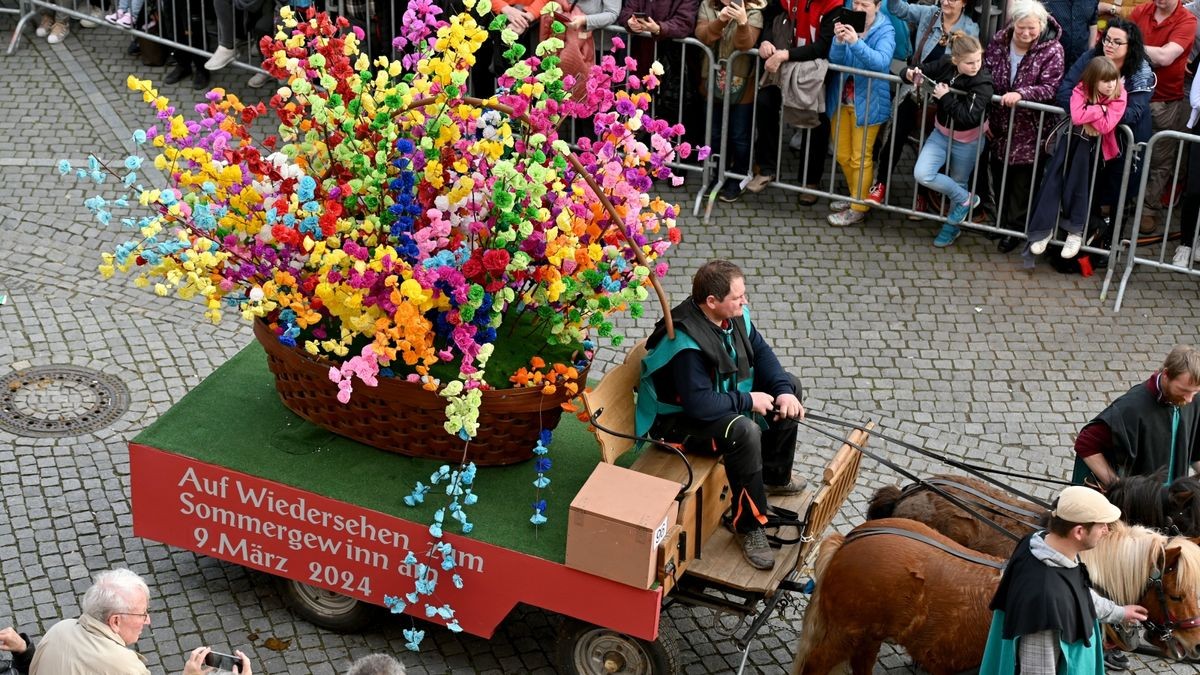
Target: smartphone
223,661
739,3
641,16
856,20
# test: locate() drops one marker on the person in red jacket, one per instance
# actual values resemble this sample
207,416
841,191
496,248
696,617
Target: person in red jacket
813,21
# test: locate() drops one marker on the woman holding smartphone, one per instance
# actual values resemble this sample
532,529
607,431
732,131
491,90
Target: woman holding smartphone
861,103
729,26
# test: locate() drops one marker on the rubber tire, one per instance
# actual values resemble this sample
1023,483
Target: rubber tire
338,613
576,638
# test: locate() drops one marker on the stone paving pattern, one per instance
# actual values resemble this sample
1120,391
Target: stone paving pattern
959,350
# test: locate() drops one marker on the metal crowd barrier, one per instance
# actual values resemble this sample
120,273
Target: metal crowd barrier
1048,116
1173,140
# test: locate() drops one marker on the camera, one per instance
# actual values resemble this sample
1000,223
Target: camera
223,661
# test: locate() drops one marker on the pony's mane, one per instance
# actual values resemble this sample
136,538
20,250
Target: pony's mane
1121,564
1189,561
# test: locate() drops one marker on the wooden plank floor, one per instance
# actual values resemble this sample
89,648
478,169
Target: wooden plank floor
722,561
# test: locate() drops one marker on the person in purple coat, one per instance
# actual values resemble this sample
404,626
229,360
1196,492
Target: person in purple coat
1026,63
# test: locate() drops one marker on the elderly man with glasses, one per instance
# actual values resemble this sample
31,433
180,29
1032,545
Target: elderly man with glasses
115,611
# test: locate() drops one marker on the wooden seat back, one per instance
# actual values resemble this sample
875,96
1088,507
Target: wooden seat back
615,397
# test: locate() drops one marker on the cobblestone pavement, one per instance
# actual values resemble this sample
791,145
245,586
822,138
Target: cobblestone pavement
960,350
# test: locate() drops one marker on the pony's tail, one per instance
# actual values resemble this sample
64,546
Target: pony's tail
815,626
883,504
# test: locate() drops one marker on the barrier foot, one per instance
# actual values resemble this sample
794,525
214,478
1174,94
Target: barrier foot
16,36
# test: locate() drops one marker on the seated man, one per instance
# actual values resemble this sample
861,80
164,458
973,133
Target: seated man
716,383
1154,425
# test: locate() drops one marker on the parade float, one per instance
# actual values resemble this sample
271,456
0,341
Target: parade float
428,274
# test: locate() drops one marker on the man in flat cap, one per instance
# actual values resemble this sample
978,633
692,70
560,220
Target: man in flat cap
1045,615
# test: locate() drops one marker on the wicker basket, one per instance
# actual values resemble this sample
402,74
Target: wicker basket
402,417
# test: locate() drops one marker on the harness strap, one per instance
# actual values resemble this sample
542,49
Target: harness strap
817,417
908,534
913,477
990,504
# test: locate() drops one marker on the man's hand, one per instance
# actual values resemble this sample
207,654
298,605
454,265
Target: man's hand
787,406
195,662
1136,613
11,641
652,26
766,49
763,402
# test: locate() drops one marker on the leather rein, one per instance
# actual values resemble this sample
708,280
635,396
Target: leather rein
1165,630
863,532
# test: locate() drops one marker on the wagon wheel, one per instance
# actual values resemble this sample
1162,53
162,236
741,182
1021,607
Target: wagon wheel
586,649
324,608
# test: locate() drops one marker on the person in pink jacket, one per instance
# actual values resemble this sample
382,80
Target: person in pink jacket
1097,105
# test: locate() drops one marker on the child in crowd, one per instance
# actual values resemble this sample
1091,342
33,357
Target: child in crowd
126,13
862,103
963,89
1097,105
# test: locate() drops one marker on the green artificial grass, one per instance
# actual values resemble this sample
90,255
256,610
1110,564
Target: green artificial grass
235,419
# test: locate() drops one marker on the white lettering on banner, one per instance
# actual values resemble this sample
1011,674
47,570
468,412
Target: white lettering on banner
255,525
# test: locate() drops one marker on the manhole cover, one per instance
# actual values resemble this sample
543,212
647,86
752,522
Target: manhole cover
51,401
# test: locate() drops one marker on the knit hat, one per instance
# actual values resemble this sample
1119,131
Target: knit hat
1079,504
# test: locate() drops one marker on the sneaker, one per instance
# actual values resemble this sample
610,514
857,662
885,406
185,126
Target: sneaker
877,193
1008,244
1039,247
45,24
947,236
1183,256
922,206
97,14
806,199
730,192
793,487
126,20
839,205
259,80
58,32
847,217
221,58
114,17
1114,659
960,211
1071,248
757,550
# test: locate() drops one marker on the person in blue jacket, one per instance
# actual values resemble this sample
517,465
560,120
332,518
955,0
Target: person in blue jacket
718,386
859,104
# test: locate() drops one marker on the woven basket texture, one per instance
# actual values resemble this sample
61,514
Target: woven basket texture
402,417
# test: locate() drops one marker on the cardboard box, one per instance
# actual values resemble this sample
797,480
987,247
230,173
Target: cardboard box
617,522
703,504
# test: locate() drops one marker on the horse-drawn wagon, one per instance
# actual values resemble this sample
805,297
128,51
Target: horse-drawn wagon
228,472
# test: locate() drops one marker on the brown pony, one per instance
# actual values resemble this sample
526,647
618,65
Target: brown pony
921,504
1142,499
888,587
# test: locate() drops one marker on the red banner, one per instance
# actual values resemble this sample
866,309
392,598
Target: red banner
359,552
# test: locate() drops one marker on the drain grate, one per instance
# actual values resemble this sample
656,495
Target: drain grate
53,401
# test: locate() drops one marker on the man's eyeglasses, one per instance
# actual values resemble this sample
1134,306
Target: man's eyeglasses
1114,43
144,615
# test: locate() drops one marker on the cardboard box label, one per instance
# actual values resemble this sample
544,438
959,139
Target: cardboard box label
660,532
